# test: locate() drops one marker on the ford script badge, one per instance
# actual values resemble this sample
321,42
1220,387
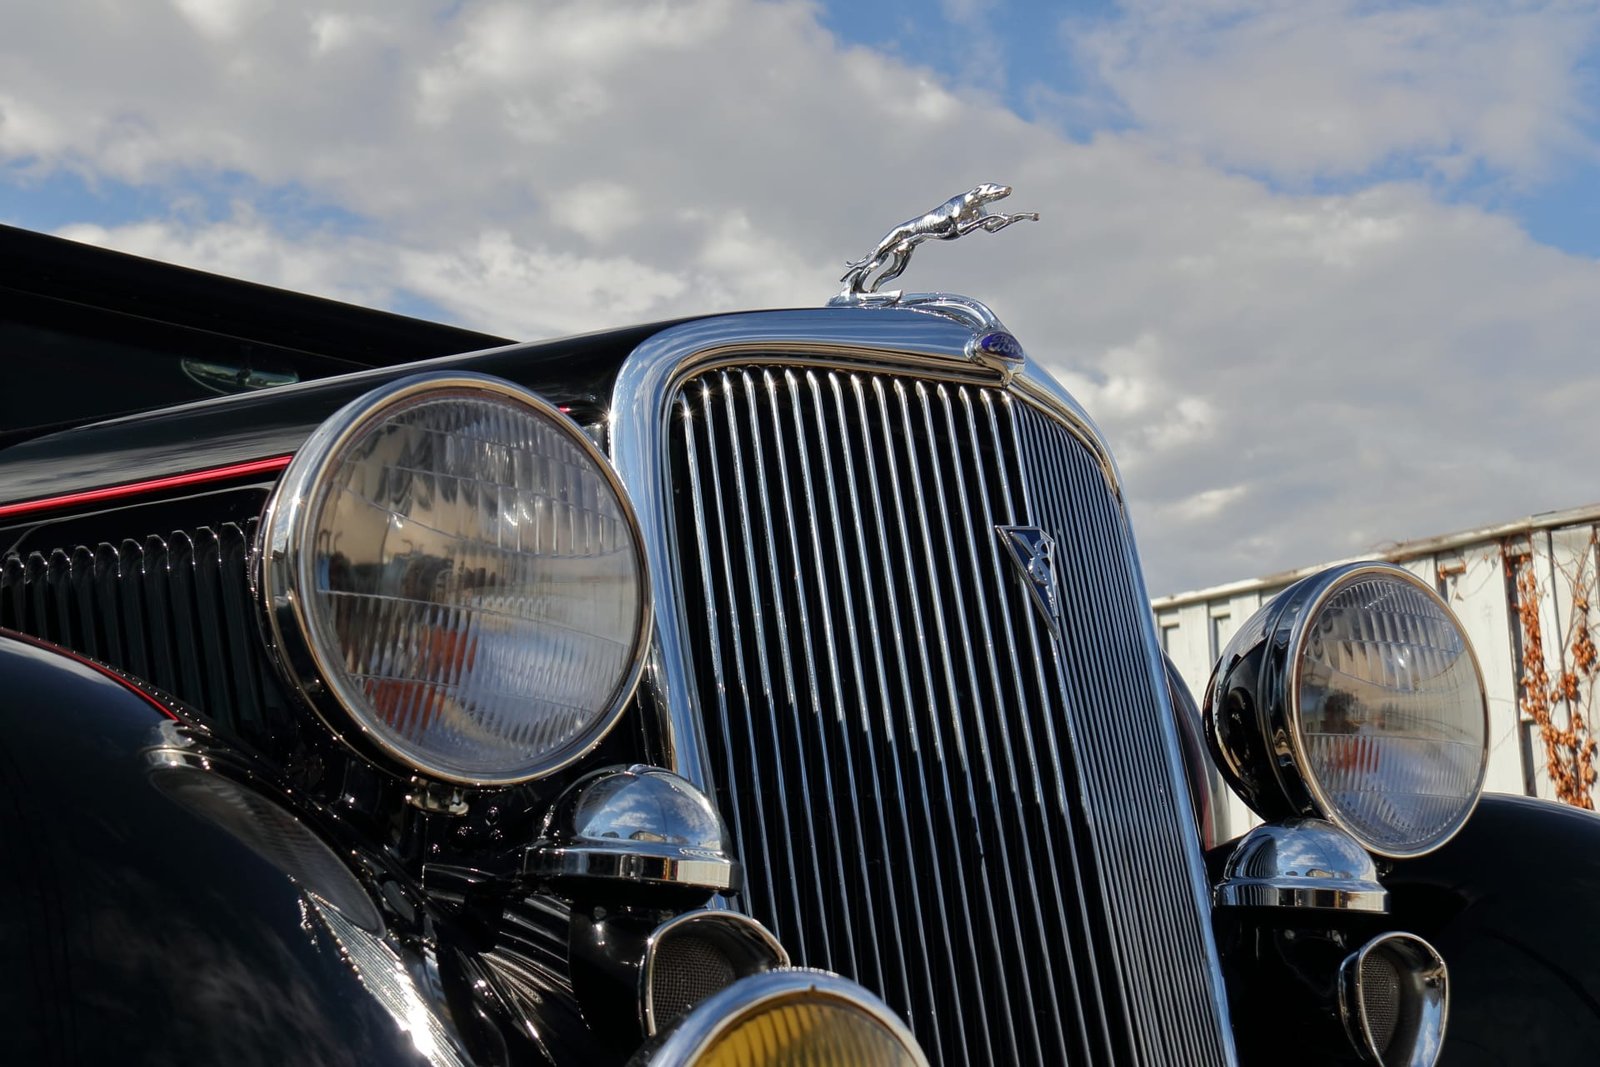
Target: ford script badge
996,349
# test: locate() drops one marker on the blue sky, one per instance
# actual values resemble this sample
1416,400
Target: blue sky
1022,54
1327,274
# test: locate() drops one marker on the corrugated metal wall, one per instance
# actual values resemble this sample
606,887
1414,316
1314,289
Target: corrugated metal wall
1475,572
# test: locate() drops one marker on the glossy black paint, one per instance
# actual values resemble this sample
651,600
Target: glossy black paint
575,373
87,277
163,903
1282,984
104,333
174,608
607,946
1195,768
136,930
1510,905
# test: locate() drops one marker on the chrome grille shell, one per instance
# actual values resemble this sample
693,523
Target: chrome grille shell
1000,846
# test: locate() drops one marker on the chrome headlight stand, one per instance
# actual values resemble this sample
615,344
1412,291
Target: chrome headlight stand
1301,864
1300,911
638,852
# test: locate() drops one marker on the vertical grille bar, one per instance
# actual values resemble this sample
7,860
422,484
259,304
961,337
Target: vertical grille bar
834,843
925,603
1093,977
789,874
1113,701
851,841
900,743
883,938
894,716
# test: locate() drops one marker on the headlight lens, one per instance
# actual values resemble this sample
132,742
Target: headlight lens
788,1018
1355,696
453,561
1391,713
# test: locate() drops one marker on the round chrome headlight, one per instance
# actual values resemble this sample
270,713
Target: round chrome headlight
455,578
1354,695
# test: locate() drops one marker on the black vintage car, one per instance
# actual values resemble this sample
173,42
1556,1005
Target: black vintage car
774,688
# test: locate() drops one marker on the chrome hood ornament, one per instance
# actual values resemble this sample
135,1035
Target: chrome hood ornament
956,217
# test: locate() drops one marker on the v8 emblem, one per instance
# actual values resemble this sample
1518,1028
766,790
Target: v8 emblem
1034,553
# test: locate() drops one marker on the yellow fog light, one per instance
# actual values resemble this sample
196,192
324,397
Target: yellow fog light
787,1018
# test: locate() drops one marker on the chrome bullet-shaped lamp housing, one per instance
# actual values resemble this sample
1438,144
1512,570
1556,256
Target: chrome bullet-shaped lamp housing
636,825
1301,863
454,579
1354,696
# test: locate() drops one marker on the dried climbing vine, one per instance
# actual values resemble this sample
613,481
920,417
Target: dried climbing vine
1562,707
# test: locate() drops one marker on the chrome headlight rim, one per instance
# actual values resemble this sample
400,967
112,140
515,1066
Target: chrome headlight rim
1324,591
282,568
1277,698
698,1030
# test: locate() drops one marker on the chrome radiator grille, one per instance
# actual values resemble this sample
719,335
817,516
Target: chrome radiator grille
931,795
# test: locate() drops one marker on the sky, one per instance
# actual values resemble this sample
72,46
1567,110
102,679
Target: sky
1326,273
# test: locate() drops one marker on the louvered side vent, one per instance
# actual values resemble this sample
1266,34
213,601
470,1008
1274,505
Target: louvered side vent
175,611
931,791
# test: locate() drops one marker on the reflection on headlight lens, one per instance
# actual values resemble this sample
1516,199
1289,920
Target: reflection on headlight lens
1391,714
471,583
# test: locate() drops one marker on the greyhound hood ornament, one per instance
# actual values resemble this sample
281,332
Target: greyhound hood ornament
956,217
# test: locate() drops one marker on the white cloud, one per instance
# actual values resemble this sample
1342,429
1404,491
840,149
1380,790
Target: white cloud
599,210
1337,88
1206,504
220,19
1280,375
509,287
247,246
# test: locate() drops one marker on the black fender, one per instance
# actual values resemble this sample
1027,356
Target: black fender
154,909
1510,905
1197,768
